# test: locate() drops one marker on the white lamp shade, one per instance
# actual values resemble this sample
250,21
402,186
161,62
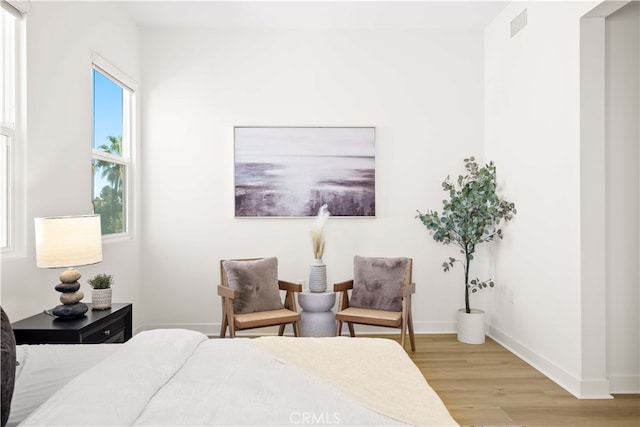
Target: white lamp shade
68,241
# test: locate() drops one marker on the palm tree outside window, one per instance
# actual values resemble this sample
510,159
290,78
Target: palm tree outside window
111,160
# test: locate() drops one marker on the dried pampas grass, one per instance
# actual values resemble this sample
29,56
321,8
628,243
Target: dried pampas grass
317,232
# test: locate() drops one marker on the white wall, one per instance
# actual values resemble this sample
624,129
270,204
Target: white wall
622,194
532,116
60,39
422,90
550,308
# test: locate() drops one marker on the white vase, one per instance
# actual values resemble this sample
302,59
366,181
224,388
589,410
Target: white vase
471,326
318,276
101,299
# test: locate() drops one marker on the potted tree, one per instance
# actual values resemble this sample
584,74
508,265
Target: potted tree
472,215
101,291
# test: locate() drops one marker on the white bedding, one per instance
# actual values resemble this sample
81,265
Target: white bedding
43,369
179,377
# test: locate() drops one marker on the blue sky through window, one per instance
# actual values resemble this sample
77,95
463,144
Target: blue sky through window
107,109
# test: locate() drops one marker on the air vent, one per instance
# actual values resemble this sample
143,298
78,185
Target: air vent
519,23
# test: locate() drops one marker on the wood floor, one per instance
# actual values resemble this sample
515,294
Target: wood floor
487,385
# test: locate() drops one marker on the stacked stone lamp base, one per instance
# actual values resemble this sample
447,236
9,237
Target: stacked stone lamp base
71,306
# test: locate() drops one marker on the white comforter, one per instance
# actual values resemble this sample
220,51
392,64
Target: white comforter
43,369
179,377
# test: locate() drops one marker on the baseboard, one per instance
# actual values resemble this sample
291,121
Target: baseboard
213,329
582,389
418,328
627,384
435,327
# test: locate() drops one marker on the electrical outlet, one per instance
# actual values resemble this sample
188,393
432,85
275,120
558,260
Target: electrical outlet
510,295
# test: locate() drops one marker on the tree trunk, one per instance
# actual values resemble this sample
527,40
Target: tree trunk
466,282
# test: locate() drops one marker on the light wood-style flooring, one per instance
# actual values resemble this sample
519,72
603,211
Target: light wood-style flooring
488,385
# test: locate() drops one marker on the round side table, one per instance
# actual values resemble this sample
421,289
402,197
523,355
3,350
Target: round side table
317,318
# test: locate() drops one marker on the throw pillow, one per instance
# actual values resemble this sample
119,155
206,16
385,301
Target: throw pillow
256,282
377,281
8,367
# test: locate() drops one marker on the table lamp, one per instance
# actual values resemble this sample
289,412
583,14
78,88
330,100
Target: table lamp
68,242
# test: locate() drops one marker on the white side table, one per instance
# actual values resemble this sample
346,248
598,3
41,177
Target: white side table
317,318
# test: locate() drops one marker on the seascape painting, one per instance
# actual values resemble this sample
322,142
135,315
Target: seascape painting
293,171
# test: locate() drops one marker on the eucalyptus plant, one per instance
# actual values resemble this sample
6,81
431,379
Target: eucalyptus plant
472,215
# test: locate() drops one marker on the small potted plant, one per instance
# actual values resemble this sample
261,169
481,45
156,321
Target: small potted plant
101,291
473,215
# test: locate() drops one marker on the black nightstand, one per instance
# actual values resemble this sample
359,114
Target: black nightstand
97,326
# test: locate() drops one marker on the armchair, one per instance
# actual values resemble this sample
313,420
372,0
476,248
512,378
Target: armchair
381,296
250,295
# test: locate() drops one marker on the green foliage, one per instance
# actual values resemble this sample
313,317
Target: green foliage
110,203
472,215
101,281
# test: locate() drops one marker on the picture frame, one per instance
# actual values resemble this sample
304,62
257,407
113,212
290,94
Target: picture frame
293,171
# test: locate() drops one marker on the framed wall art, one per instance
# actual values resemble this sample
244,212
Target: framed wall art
293,171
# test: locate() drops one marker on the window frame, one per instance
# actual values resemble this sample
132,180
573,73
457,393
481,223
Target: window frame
129,140
13,127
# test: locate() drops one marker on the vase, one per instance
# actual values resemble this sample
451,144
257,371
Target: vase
101,298
318,276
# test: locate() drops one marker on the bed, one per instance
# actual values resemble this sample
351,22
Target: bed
180,377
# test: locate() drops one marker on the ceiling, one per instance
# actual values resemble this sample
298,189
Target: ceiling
296,14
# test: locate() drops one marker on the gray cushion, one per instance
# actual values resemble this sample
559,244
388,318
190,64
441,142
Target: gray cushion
8,365
376,283
256,283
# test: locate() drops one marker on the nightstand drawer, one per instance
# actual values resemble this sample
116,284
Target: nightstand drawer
111,333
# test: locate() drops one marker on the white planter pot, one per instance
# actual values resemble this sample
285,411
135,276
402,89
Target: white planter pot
471,326
101,298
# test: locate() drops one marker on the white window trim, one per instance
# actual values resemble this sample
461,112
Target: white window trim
17,194
114,72
17,7
130,144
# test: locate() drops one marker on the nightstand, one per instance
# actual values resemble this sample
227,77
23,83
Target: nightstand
97,326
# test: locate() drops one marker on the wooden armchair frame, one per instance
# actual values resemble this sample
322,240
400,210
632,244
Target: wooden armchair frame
282,317
366,316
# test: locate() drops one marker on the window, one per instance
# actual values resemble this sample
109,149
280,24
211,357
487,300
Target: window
113,132
11,128
4,191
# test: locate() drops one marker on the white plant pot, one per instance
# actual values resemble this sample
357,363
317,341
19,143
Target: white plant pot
471,326
101,298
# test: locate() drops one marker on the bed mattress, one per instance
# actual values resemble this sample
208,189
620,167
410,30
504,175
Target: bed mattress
180,377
